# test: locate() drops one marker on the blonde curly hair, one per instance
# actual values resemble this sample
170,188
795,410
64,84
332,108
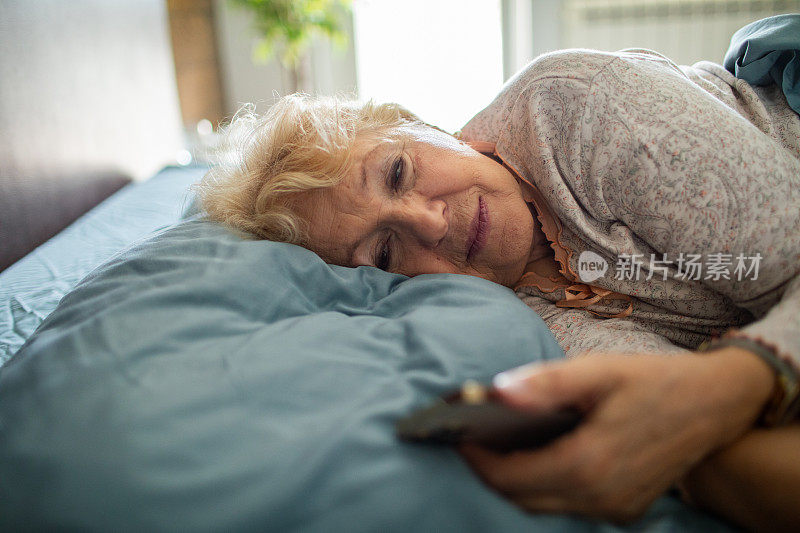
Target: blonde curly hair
301,143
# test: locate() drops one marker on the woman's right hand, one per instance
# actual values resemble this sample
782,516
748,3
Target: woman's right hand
649,420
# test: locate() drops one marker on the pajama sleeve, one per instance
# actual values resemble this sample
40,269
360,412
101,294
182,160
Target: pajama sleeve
687,173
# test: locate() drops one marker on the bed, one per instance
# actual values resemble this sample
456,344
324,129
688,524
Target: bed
161,372
32,287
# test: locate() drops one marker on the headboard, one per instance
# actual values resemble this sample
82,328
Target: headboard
87,102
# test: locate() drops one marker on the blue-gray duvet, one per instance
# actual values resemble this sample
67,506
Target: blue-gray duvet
205,381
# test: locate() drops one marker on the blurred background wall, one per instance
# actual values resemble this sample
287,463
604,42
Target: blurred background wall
87,82
87,102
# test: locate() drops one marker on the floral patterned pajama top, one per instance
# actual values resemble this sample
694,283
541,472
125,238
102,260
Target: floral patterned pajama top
683,181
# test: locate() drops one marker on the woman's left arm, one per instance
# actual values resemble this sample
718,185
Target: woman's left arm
689,174
755,482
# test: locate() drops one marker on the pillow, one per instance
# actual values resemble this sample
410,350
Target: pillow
205,381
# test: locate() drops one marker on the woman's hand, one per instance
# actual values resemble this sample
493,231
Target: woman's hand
649,420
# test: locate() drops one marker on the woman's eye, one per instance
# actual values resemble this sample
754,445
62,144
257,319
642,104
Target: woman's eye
396,174
384,256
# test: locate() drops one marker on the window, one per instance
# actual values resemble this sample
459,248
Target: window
442,59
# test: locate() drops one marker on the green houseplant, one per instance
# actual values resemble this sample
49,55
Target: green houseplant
285,29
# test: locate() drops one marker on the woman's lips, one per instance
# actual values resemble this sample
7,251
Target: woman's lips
478,230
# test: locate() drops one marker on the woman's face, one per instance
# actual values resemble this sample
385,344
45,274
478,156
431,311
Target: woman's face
426,204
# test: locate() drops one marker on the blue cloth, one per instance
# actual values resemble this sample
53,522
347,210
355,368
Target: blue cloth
768,51
204,381
31,288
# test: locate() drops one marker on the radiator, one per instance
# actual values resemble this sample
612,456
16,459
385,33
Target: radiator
686,31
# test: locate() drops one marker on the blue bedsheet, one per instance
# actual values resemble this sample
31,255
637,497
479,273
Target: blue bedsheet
31,288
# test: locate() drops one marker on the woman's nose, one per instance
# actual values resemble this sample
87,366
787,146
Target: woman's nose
426,220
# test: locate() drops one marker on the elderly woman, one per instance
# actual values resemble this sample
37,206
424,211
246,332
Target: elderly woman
638,207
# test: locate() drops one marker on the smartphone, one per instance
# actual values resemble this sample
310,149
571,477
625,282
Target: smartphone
474,415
